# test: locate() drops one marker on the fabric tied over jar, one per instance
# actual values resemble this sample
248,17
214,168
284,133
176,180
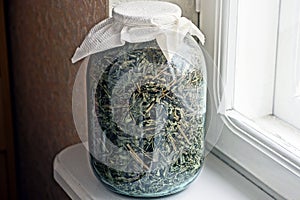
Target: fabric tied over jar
169,30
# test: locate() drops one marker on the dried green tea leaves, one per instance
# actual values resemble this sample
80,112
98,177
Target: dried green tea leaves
147,123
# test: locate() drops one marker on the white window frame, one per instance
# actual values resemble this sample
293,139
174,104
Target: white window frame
263,161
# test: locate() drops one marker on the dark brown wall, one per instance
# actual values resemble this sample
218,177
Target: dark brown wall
43,36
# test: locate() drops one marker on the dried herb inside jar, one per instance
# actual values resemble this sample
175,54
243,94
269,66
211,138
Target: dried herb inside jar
151,120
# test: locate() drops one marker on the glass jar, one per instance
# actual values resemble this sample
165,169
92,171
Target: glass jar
146,108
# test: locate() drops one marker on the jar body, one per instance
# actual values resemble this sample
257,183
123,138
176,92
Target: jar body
146,117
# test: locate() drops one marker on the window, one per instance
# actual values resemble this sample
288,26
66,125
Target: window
265,71
255,45
264,75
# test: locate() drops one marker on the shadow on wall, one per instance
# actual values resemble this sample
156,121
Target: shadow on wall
42,38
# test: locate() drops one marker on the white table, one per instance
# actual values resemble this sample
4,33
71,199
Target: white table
217,181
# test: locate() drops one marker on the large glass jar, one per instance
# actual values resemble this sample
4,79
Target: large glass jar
146,112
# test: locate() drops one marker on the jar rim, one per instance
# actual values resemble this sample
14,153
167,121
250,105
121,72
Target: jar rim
146,13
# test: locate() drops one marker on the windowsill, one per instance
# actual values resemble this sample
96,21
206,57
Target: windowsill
281,136
216,181
280,132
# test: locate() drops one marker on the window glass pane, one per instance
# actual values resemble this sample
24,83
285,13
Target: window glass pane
255,57
287,95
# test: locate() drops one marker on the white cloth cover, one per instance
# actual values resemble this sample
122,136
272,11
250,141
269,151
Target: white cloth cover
137,22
